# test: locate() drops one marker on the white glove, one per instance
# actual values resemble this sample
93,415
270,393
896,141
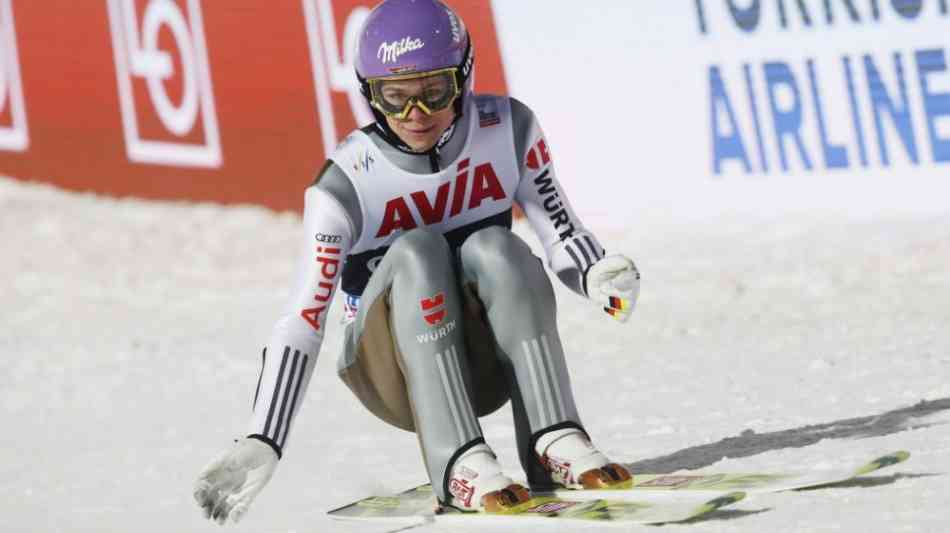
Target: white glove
228,485
614,283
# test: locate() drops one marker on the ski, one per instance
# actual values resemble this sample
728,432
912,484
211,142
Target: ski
653,498
748,482
418,506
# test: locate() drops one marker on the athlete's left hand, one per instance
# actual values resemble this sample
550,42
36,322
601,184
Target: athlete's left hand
228,485
614,283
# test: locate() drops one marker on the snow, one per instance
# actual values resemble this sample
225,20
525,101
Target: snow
131,335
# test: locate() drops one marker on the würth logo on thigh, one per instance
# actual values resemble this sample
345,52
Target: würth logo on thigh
14,135
433,309
165,92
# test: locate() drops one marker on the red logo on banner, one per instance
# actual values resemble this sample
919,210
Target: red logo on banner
434,309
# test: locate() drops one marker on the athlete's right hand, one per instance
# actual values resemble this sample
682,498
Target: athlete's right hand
614,283
228,485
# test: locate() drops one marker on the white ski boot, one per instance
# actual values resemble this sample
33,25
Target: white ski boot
573,462
477,483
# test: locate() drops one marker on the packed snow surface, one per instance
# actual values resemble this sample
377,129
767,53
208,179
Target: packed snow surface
131,334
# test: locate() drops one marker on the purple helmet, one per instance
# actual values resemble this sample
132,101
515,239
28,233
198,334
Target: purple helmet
404,37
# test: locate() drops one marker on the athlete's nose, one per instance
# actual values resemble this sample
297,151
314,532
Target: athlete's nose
416,114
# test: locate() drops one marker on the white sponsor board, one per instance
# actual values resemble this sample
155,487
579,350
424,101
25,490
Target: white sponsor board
140,59
14,133
700,106
332,71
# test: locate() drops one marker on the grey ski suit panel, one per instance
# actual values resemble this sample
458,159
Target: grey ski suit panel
522,311
334,181
419,266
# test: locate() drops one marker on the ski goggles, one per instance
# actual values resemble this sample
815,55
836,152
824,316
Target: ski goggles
431,92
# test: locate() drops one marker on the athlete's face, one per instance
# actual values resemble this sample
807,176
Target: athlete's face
421,131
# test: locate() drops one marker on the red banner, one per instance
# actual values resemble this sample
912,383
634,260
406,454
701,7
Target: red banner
233,102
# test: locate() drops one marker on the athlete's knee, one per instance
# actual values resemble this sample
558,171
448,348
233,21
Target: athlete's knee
498,253
495,242
420,249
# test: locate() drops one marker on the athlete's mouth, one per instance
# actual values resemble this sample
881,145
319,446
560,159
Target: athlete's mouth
419,132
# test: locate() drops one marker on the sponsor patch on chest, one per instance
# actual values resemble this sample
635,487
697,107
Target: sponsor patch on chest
479,186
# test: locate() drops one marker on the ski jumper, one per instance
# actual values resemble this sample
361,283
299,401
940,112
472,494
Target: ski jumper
449,314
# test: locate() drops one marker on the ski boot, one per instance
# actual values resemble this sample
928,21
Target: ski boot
477,483
574,463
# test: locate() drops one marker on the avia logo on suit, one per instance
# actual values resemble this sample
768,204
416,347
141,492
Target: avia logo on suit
484,185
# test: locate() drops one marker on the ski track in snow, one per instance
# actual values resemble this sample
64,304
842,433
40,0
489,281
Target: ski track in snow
131,334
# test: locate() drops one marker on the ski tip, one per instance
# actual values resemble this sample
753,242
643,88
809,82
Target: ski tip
717,503
892,458
726,499
883,461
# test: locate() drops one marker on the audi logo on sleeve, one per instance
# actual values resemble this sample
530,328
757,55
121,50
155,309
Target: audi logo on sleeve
164,80
328,258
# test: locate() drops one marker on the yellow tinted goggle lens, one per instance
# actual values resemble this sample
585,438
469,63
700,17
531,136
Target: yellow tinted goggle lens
430,92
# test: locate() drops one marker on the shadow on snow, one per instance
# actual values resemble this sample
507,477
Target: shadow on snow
867,481
725,514
750,443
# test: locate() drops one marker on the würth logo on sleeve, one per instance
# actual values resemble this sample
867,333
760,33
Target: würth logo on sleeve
540,148
329,260
433,309
165,95
554,206
14,135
